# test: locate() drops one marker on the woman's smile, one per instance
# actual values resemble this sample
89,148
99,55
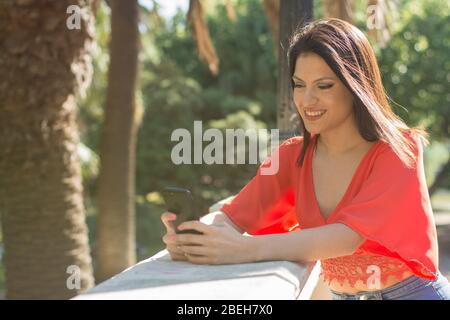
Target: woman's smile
313,115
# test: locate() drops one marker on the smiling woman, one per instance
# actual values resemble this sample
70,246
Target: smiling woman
336,49
350,192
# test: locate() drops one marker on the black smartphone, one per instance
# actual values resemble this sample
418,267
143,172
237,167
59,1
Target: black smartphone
181,202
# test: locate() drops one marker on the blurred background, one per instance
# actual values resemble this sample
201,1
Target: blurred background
85,151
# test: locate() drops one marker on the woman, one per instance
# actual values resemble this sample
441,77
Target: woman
350,192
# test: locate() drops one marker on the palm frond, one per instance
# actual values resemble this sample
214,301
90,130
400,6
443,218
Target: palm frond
231,13
201,35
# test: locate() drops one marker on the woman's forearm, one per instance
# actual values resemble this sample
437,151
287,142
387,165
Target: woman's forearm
328,241
312,244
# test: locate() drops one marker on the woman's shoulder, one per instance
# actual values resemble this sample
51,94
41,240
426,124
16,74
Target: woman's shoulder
291,147
412,145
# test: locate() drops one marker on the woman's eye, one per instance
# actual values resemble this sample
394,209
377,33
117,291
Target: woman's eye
298,85
325,86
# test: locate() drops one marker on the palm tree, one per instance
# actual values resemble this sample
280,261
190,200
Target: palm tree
115,247
45,66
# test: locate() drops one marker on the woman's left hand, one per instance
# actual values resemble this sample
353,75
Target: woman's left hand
219,244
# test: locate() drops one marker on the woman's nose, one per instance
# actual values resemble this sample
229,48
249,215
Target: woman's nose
308,98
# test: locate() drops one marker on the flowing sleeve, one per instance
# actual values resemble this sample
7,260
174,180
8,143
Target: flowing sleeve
392,211
266,203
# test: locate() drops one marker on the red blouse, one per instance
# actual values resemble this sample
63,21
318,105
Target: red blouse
386,202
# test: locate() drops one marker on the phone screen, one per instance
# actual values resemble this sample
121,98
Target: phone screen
181,202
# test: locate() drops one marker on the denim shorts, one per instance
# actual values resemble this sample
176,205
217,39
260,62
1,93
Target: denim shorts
411,288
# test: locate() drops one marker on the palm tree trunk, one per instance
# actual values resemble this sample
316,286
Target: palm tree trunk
44,65
341,9
272,9
293,13
116,218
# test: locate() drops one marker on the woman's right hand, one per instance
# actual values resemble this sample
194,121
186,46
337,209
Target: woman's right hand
171,246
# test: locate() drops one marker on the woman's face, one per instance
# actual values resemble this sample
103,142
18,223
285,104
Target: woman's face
322,100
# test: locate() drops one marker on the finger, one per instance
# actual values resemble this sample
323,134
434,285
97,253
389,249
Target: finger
176,253
183,239
178,257
197,225
175,249
196,250
166,218
169,239
199,259
170,229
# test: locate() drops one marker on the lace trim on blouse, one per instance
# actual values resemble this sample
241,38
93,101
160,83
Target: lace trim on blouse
366,268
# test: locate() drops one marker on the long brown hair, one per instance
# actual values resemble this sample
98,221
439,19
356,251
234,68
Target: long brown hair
348,53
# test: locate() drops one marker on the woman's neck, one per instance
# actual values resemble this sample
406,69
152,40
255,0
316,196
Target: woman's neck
340,142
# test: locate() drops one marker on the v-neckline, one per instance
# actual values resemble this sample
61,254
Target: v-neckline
344,196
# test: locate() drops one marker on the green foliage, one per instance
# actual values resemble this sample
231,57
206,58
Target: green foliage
245,49
180,89
435,155
91,108
416,68
175,89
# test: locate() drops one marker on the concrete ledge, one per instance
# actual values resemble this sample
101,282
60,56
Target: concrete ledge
160,278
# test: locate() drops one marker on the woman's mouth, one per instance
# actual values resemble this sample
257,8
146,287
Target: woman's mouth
314,115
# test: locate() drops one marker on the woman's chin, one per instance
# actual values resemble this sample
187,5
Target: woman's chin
313,131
